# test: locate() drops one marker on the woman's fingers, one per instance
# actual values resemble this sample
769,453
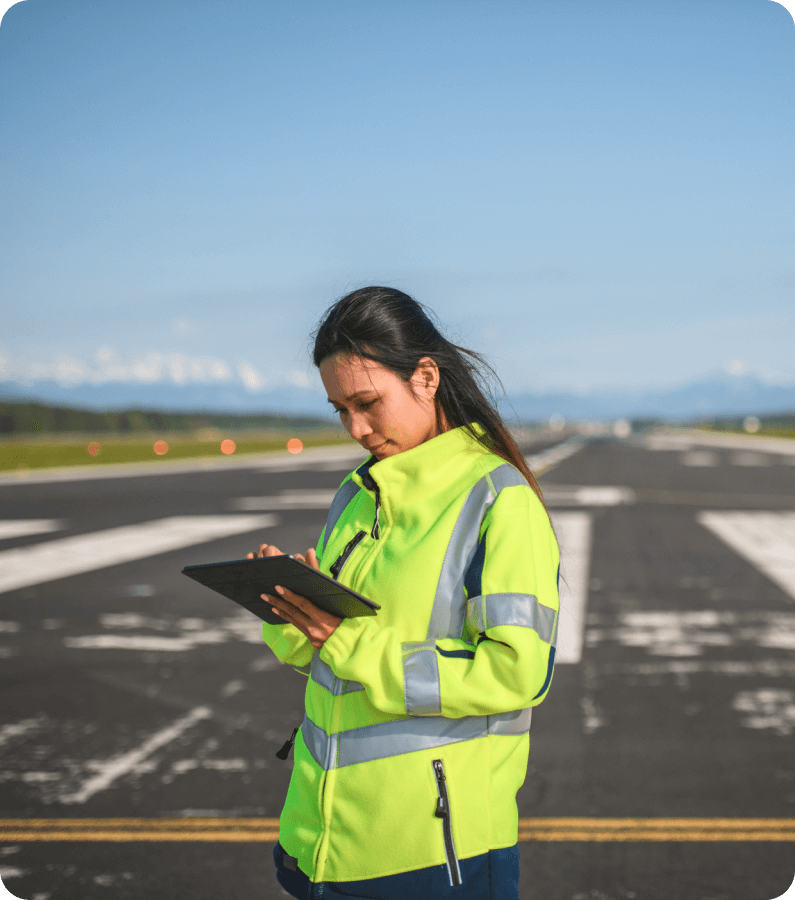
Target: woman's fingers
311,558
265,550
316,624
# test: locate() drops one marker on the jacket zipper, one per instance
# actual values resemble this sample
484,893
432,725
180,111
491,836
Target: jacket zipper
443,813
376,532
352,544
372,485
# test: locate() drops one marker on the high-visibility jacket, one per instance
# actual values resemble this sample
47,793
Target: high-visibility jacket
415,738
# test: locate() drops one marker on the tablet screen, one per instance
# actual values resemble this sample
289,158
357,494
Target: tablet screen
243,580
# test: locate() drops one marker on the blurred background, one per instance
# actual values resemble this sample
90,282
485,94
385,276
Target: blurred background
595,194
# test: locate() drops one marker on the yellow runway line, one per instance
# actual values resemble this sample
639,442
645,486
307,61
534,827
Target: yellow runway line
660,829
265,830
214,829
120,836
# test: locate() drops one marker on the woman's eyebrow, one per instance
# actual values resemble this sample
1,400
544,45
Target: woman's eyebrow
354,396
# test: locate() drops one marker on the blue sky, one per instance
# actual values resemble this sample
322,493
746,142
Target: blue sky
595,193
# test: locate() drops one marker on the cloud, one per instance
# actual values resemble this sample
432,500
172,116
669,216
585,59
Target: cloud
735,367
250,377
302,379
108,365
182,326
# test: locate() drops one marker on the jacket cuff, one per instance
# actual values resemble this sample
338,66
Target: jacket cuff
341,646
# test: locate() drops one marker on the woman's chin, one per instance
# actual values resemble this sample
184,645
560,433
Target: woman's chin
386,449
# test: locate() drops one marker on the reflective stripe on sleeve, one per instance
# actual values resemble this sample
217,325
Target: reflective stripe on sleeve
449,605
408,735
524,610
421,688
515,722
341,500
323,674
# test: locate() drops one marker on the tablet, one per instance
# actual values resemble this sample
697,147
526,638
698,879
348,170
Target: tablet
243,580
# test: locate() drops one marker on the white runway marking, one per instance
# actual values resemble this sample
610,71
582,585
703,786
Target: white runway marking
771,708
693,632
186,634
782,447
748,458
765,539
343,462
590,495
699,458
553,456
152,643
573,530
299,499
113,769
97,550
18,729
11,528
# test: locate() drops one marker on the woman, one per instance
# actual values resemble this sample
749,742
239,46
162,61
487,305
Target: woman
415,738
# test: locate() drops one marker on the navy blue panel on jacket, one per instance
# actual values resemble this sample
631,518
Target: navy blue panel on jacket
492,876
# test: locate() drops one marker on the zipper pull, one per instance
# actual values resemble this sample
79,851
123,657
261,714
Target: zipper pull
285,751
442,808
376,532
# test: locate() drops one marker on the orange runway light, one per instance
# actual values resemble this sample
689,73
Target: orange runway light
160,448
94,449
294,445
228,447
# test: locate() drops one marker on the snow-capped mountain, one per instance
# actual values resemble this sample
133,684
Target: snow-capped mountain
713,395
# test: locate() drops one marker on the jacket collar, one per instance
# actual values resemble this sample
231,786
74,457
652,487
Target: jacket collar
422,472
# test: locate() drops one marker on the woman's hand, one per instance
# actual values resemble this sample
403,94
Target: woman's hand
266,550
316,623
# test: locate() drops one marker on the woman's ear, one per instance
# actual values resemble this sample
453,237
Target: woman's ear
426,377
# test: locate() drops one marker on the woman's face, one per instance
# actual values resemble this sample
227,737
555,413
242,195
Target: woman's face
379,410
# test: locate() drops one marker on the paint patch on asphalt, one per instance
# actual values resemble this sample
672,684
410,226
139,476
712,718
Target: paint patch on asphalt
14,730
692,633
110,770
172,634
767,708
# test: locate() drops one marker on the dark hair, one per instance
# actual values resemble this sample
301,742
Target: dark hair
393,329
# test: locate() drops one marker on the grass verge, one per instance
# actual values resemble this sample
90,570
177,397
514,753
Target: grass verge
102,450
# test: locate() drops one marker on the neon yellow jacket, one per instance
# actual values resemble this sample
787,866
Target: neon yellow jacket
415,738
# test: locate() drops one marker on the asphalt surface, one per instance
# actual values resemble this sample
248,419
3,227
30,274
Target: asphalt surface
128,691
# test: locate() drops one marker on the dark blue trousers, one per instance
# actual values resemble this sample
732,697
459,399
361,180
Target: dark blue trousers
492,876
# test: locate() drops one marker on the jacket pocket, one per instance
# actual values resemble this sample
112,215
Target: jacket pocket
352,544
443,813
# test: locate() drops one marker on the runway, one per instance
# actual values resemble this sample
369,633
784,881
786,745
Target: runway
140,713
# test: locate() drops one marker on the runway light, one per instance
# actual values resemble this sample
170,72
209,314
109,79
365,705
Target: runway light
751,424
294,445
160,448
94,449
228,447
622,428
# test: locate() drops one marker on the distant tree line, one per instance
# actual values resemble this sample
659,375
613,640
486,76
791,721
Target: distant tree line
770,423
767,423
21,418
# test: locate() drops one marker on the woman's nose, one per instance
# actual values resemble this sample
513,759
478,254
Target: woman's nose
359,427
